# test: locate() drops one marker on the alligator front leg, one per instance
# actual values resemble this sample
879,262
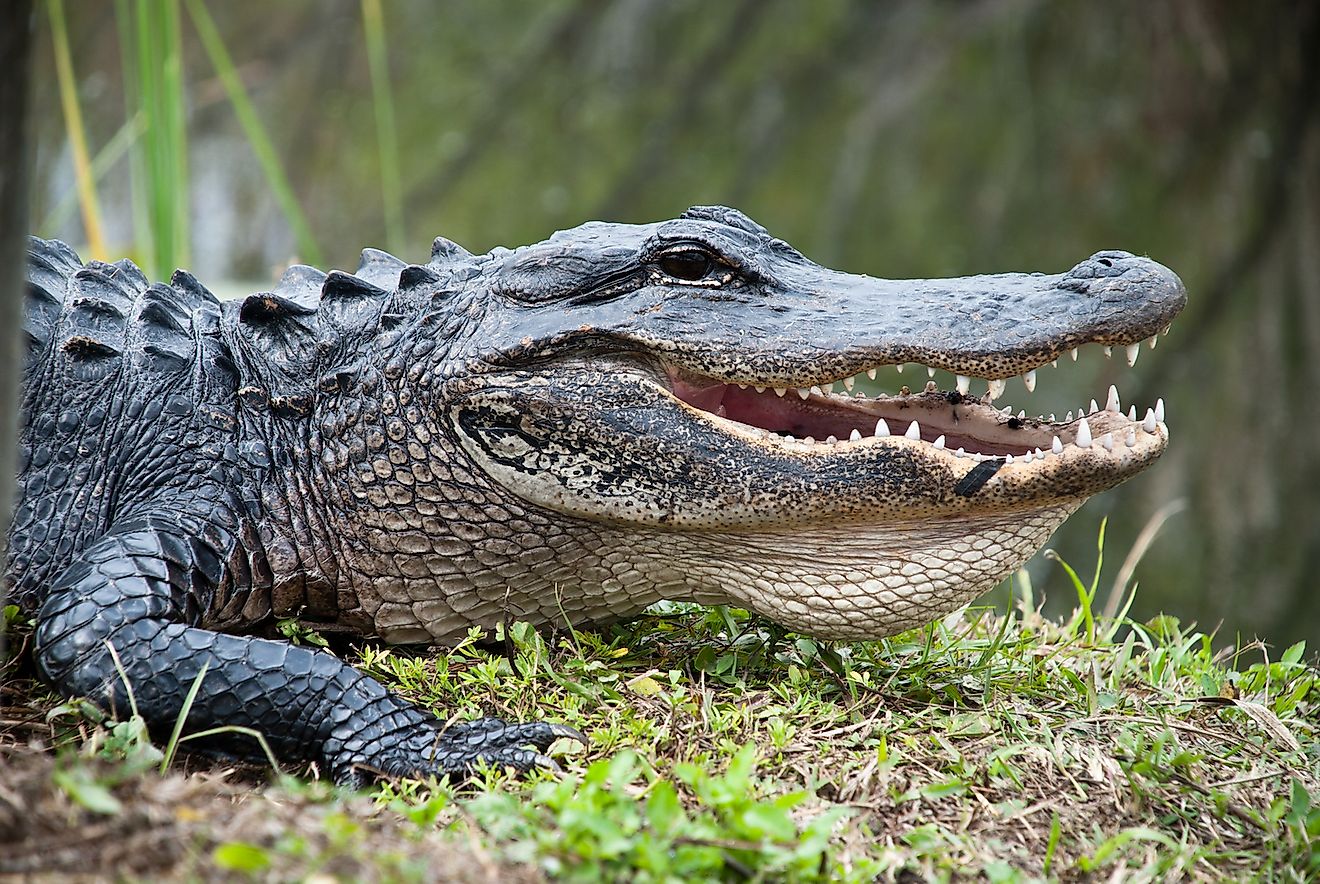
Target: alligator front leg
140,587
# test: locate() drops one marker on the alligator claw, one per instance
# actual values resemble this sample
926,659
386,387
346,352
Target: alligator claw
423,747
568,733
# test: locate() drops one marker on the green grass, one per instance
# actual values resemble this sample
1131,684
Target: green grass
73,122
154,134
382,100
1008,746
255,131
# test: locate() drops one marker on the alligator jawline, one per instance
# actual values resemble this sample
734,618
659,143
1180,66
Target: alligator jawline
963,425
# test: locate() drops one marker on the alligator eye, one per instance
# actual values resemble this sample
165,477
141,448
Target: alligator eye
691,264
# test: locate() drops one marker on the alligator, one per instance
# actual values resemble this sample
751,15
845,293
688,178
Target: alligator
563,433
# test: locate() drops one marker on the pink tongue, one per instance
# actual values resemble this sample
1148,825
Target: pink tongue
787,414
705,398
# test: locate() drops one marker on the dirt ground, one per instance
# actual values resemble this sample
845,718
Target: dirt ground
170,826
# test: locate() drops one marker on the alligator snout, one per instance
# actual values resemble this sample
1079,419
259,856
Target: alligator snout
1119,271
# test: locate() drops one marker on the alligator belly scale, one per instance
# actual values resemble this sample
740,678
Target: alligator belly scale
562,433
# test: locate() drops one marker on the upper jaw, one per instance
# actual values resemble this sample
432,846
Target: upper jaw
837,419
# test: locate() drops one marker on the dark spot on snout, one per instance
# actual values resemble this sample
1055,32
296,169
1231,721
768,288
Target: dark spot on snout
977,476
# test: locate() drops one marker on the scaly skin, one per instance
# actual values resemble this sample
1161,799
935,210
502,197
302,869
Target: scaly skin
554,434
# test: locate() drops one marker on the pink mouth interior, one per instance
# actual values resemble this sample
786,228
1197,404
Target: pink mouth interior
821,417
788,414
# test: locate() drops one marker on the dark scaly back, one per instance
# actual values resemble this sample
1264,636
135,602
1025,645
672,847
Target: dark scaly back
133,391
125,382
316,332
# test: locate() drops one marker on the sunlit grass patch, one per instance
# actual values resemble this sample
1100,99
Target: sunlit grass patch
1006,745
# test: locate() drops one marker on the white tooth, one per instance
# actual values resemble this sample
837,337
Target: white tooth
964,384
881,428
996,389
1112,403
1149,423
870,373
1083,439
939,441
808,440
1056,446
780,391
1132,414
855,436
932,387
742,386
913,431
1073,354
858,394
1107,441
1067,418
831,439
899,368
828,388
1131,439
1133,351
1008,459
930,372
1029,379
1159,410
961,452
1166,329
1028,457
1054,363
1152,341
759,389
1022,414
848,383
803,393
1040,455
1109,351
1006,411
1094,407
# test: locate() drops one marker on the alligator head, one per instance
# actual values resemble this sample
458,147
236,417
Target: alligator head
685,398
697,378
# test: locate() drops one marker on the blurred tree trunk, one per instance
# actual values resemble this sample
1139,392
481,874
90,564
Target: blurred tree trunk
15,39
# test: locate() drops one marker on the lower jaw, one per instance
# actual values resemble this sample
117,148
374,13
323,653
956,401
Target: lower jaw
862,581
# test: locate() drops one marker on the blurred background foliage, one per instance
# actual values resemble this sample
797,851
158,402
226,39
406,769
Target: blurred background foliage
897,139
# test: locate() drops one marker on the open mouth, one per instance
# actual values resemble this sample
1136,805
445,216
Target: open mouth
834,417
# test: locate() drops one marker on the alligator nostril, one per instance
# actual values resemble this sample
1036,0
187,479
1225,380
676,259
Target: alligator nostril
1106,262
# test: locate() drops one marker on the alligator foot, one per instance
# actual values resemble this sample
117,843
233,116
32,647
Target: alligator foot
404,741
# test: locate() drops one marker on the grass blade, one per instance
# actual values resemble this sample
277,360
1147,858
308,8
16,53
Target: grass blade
134,112
173,745
373,27
105,159
73,122
159,86
254,130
